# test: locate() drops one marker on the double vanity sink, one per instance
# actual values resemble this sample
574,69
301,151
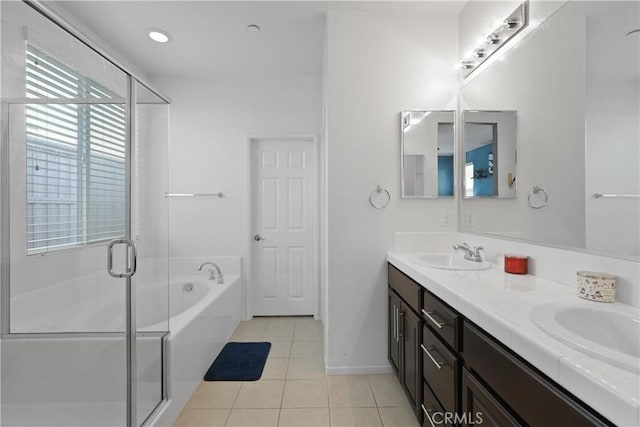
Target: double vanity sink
595,330
591,349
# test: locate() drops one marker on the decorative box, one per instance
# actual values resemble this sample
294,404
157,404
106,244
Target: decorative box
596,286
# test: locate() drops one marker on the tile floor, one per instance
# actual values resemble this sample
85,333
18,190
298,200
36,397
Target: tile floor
293,390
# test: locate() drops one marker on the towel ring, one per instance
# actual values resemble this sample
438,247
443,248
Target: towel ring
537,190
379,198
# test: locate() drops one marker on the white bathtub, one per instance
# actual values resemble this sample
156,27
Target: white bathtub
198,333
81,381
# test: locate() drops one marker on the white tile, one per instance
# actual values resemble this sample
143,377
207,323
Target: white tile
214,394
354,417
260,394
280,350
306,394
304,417
398,417
302,369
628,278
307,350
202,418
387,390
275,369
253,418
350,391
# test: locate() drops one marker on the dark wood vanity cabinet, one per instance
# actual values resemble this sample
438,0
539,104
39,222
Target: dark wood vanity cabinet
404,332
447,365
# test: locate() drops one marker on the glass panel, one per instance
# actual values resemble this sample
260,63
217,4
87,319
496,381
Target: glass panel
65,200
64,354
150,226
80,372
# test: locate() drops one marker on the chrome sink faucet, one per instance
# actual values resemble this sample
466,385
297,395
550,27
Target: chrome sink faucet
469,253
213,273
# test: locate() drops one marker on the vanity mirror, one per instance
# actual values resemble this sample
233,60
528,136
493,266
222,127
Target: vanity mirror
427,153
489,145
574,81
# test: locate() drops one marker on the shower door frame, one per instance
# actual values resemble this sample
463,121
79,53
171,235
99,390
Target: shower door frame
5,226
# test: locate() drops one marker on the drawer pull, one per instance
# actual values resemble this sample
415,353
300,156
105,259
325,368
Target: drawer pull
429,315
439,365
426,413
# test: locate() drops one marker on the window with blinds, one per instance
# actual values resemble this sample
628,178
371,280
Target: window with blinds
75,159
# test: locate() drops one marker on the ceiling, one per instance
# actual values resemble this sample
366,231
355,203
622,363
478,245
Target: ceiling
210,38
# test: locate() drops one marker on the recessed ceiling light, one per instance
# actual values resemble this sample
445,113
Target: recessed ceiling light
159,36
253,28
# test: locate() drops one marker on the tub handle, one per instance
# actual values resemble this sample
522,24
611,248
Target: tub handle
132,261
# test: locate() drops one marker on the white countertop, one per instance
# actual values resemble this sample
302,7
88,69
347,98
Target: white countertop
500,304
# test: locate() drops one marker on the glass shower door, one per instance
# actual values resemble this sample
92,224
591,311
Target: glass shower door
82,160
64,349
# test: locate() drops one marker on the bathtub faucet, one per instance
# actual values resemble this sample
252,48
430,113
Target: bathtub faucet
213,273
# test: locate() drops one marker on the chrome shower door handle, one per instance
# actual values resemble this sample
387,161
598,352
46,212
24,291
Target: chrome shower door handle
132,261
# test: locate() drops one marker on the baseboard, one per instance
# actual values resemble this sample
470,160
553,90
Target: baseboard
355,370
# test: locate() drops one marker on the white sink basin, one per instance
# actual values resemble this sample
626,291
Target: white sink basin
450,262
606,334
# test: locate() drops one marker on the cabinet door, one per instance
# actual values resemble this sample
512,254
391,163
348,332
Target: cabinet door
480,407
394,327
411,376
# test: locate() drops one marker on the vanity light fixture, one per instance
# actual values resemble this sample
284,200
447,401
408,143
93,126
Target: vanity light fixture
509,27
493,39
510,23
158,35
480,53
468,65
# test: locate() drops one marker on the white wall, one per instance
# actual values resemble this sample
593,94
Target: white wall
612,166
377,65
210,123
612,131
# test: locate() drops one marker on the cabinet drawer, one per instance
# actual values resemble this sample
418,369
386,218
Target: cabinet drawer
430,406
408,290
444,320
481,407
440,369
533,397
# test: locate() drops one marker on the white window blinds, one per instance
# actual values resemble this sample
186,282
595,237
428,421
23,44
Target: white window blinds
75,159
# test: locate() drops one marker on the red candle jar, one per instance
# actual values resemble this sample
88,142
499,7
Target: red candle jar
516,264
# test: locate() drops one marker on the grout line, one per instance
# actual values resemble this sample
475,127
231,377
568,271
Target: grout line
226,420
372,391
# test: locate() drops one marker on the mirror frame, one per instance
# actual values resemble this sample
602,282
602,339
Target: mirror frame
455,154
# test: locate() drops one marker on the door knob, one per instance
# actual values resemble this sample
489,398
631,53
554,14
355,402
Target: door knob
258,237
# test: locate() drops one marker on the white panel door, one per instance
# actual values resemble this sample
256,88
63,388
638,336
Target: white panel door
283,236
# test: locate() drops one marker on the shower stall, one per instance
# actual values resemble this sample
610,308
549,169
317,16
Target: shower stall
85,242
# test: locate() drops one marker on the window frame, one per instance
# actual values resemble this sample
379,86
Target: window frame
83,227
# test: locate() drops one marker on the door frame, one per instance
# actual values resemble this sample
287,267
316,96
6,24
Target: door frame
249,269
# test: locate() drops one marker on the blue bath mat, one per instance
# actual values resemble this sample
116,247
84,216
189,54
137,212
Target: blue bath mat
239,361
